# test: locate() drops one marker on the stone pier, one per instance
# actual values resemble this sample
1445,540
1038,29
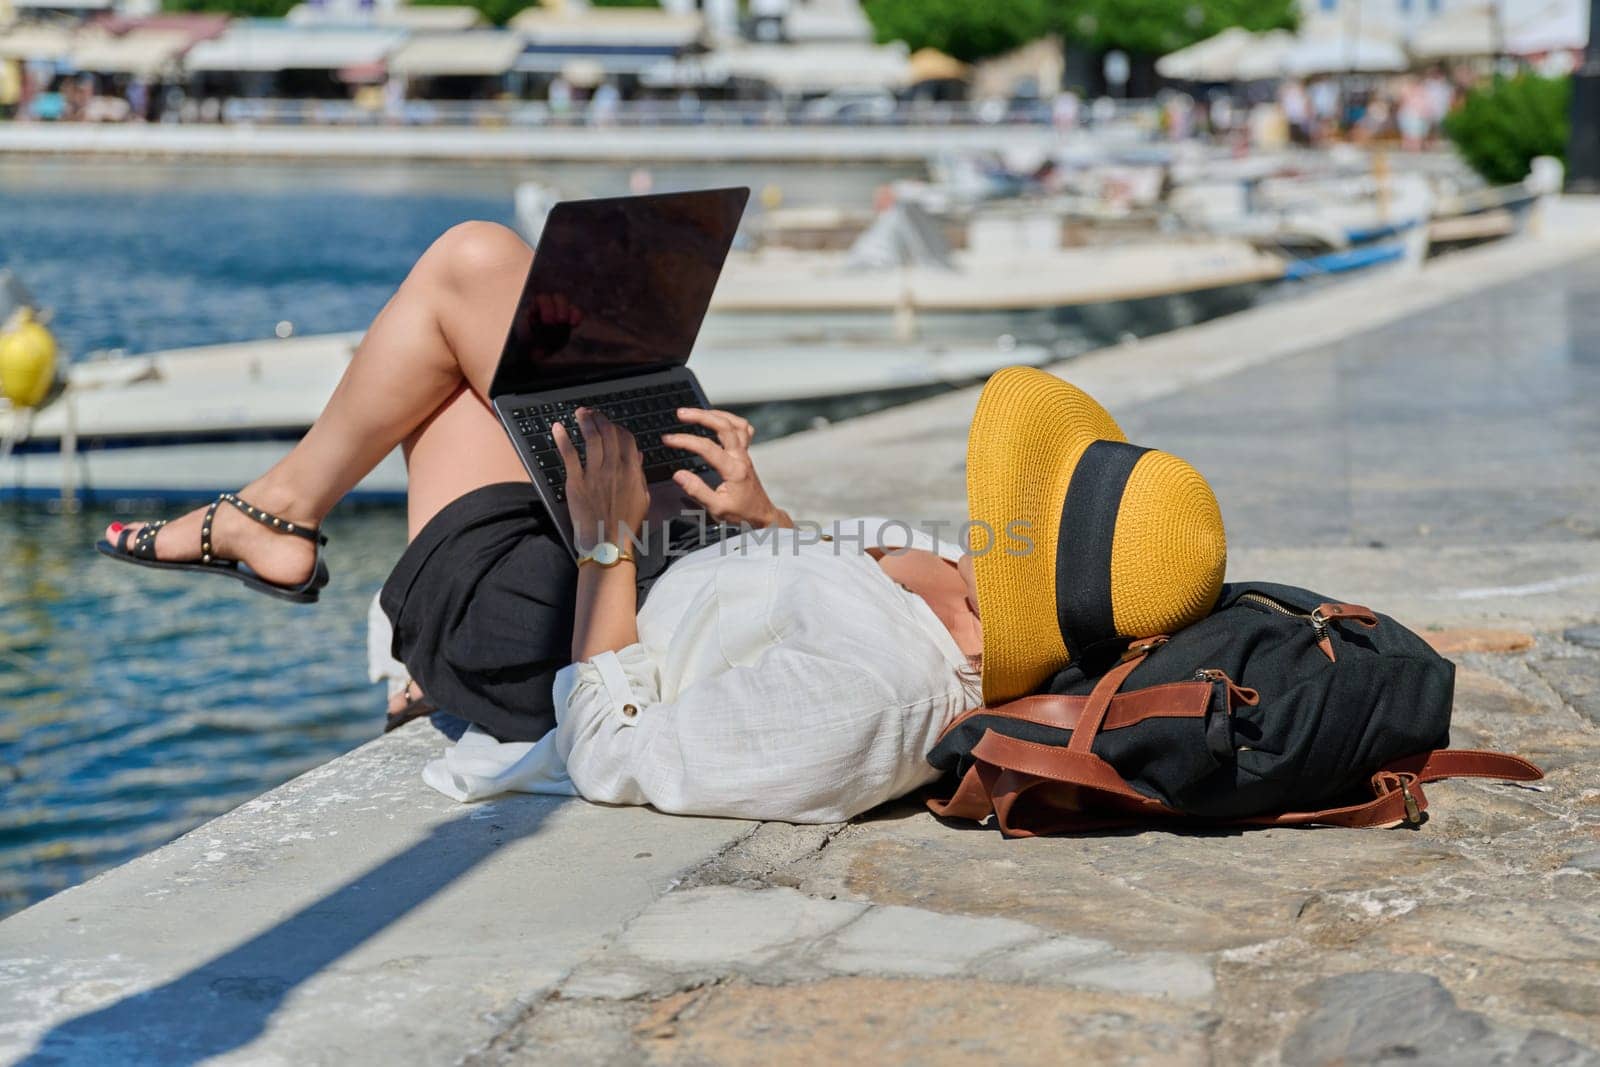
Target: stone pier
1428,444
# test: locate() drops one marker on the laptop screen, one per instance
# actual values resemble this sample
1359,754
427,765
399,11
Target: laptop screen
618,286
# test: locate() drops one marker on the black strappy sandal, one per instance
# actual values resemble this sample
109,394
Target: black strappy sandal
143,552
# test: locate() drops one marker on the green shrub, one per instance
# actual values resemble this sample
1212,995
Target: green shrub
1503,124
976,29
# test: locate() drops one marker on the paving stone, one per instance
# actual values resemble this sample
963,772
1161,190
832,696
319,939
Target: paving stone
1584,861
720,925
1482,696
1577,679
1584,636
935,1022
1378,1017
917,943
607,984
1455,642
1180,975
1044,961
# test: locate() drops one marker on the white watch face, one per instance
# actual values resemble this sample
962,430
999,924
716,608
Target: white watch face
605,553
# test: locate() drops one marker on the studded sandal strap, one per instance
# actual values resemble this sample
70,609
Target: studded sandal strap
274,522
205,530
144,541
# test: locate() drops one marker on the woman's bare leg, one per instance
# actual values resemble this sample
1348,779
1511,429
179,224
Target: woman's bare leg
438,338
459,448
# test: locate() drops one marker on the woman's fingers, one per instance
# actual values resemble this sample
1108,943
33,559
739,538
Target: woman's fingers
719,458
733,431
695,488
568,452
593,438
740,424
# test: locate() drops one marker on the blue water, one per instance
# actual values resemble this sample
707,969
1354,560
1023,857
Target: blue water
133,706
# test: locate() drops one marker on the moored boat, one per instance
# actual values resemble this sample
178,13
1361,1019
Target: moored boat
189,423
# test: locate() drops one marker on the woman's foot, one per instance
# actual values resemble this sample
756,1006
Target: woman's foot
281,560
409,703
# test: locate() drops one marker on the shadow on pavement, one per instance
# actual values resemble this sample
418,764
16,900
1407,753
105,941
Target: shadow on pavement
226,1002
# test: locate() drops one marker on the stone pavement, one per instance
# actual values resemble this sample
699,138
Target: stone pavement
1439,464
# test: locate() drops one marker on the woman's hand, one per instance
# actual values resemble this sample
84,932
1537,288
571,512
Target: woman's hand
740,499
606,490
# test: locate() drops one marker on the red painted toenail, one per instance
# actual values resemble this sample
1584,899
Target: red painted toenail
116,527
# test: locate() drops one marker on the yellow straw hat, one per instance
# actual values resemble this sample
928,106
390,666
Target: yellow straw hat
1078,538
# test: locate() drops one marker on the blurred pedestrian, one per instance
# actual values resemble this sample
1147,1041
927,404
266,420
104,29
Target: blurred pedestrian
1065,111
138,96
1324,96
603,105
1413,115
1296,108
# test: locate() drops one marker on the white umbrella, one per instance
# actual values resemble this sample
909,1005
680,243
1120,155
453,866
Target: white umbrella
1265,56
1563,26
1465,31
1335,44
1363,54
1210,60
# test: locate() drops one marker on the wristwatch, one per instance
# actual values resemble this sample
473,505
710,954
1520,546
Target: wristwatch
606,554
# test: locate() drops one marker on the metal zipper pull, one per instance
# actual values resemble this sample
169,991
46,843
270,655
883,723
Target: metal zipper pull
1237,694
1326,613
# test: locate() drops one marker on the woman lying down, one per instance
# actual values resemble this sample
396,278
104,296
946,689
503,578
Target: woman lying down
769,675
763,675
762,678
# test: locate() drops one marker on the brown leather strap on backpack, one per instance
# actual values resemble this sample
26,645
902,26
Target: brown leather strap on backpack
1034,789
1037,789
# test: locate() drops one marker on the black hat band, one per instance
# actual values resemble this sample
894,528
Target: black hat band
1083,545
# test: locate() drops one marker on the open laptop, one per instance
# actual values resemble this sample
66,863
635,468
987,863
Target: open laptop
609,313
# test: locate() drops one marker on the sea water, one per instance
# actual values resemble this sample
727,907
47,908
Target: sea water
134,705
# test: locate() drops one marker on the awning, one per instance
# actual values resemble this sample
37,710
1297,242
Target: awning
432,19
474,52
930,64
1517,28
817,68
1336,44
1563,27
62,5
627,27
1265,56
139,52
1470,31
1210,60
273,46
35,42
539,60
428,18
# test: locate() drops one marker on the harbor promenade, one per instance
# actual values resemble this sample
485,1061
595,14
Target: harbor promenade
653,144
1426,444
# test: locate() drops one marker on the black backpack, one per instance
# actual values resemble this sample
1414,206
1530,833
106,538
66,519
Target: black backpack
1281,707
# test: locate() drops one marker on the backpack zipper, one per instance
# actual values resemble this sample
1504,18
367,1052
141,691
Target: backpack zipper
1318,618
1219,727
1237,694
1319,625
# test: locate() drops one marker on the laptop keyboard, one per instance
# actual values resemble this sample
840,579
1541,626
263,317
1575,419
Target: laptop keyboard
647,413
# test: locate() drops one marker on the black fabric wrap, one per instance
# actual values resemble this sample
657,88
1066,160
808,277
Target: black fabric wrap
1083,545
482,603
1320,731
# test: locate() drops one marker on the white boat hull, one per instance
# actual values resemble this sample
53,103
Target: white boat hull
190,423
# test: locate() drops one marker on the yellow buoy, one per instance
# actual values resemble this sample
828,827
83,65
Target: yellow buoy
27,360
